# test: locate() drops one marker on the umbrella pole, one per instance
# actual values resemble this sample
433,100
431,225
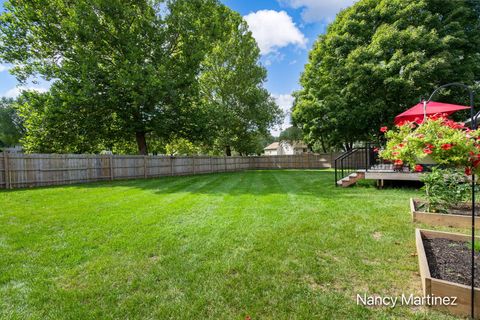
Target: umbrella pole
424,110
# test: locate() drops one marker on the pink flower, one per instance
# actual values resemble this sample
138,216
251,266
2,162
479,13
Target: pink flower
384,129
375,150
427,151
418,168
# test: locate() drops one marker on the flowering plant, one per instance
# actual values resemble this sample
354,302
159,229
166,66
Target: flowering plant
444,141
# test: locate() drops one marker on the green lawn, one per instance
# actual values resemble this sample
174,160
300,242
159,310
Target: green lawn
269,244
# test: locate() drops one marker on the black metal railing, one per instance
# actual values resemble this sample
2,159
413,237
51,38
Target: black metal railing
359,158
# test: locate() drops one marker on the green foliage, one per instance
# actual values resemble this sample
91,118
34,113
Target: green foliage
238,109
476,246
121,69
445,188
11,125
378,58
182,147
291,134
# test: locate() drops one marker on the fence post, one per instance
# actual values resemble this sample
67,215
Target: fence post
211,165
7,170
193,161
171,166
111,167
225,163
145,167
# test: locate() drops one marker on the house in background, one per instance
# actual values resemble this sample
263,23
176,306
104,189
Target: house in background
285,148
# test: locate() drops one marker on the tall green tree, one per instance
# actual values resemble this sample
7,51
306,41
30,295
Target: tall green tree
11,124
121,69
238,108
291,134
378,58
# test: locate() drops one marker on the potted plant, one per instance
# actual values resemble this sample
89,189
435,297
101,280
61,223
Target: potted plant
447,153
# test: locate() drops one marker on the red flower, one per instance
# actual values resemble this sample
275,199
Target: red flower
476,163
401,145
429,146
427,151
418,168
384,129
398,162
395,153
468,171
447,146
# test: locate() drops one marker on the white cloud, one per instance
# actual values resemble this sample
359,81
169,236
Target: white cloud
285,102
318,10
15,92
273,57
274,30
4,67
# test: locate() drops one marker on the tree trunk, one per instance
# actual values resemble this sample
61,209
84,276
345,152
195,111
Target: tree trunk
322,143
228,151
141,143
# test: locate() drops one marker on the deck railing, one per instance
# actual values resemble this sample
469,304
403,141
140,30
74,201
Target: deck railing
359,158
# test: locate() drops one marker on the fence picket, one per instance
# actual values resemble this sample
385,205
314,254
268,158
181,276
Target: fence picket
19,170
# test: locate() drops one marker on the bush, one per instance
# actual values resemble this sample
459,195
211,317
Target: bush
445,188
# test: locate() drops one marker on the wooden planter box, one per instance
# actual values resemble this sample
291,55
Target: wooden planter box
442,288
442,219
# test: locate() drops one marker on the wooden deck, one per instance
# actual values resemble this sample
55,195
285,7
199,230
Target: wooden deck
402,176
386,172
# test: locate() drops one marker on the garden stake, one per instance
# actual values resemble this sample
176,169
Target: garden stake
473,125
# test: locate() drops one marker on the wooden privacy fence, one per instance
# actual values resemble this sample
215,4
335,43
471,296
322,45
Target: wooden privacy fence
18,170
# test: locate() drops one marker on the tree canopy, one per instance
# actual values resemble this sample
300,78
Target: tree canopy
11,125
240,110
378,58
291,134
122,71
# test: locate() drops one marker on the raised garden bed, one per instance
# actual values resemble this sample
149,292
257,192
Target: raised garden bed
444,260
457,217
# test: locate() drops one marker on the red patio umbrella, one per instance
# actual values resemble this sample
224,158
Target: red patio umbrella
416,113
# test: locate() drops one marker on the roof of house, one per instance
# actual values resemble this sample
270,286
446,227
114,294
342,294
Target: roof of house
273,146
300,144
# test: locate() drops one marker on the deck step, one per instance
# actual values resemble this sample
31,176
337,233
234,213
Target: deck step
351,179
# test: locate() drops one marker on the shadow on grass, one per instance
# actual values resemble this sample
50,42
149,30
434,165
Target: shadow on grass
315,183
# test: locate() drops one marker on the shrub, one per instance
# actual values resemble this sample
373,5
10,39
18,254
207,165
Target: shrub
445,188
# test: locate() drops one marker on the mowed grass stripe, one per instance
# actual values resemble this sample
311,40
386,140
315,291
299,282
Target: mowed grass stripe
270,244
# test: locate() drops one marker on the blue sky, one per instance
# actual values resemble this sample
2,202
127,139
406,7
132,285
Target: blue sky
285,31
